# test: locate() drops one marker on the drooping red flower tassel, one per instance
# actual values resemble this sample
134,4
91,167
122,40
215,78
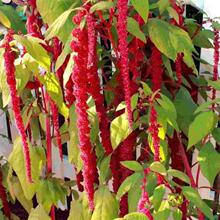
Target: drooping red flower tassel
95,87
79,179
144,200
70,98
33,23
80,80
9,58
156,69
216,60
178,65
116,174
55,118
123,50
154,131
180,11
3,197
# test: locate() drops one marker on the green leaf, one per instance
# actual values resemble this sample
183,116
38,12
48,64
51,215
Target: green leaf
177,215
167,64
60,24
55,92
50,10
162,215
216,25
163,5
185,106
4,20
158,195
216,134
80,209
206,105
73,145
146,88
127,184
65,52
132,165
3,82
68,71
134,29
16,160
180,175
142,7
209,160
168,105
193,196
171,40
38,213
76,211
22,77
202,125
106,206
214,84
135,216
167,111
94,122
49,192
158,167
120,130
134,195
134,101
12,16
33,47
19,194
101,5
104,169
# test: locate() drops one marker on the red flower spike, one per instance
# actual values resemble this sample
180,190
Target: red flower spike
3,197
216,60
9,58
80,80
154,130
144,200
95,87
123,50
70,98
178,65
156,68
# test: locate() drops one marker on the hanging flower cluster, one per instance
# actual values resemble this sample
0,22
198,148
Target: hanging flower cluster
123,50
156,68
145,200
95,87
9,58
178,65
80,80
216,59
3,197
34,24
117,58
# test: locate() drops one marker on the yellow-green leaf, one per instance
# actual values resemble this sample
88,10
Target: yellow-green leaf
142,7
106,206
16,160
202,125
38,213
120,130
